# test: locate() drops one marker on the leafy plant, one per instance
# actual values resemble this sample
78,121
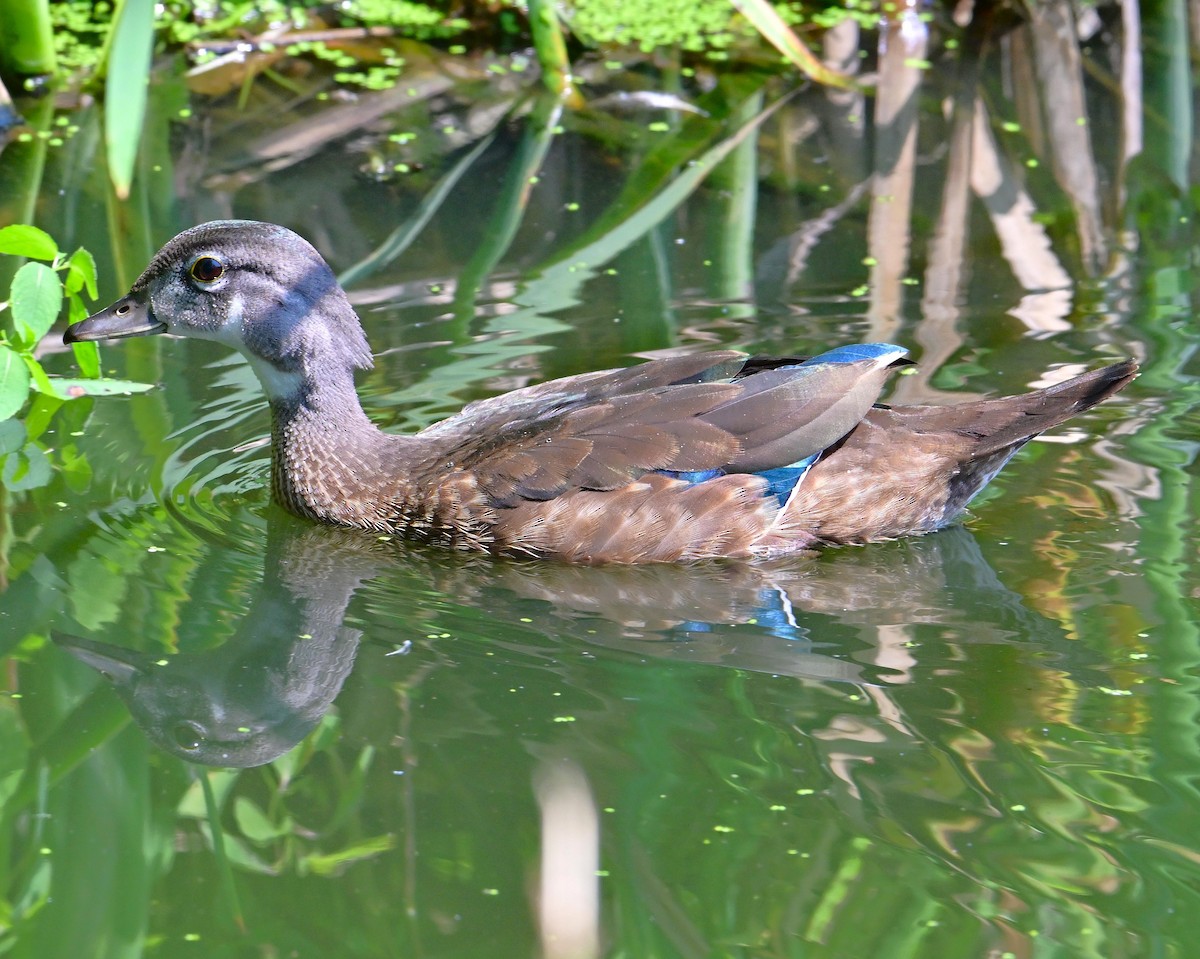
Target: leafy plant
35,300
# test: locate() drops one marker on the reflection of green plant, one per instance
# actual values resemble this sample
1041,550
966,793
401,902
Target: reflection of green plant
35,301
266,835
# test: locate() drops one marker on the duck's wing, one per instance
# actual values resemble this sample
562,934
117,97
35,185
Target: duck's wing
691,415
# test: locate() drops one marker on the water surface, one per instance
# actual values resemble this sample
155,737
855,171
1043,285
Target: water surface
978,743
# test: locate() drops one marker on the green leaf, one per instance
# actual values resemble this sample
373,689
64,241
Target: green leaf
41,411
69,388
24,240
28,468
98,585
12,436
125,89
35,302
76,311
14,382
81,273
39,378
240,854
75,468
255,825
333,863
87,355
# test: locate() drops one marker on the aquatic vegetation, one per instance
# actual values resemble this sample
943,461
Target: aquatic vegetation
36,296
694,26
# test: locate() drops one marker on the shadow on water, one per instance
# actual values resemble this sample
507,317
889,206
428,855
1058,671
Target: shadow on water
254,696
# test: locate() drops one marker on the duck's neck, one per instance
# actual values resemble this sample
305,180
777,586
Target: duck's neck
329,461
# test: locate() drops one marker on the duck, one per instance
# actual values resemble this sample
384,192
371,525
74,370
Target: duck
682,458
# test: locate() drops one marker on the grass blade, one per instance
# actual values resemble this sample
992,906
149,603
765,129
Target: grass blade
28,47
125,90
776,32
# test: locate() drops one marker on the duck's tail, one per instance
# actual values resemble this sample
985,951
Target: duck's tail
913,469
1009,422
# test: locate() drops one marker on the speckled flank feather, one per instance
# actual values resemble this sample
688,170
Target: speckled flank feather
655,463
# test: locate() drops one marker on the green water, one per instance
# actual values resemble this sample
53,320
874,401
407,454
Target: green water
981,743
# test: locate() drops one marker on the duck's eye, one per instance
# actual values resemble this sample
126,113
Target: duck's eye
188,736
207,269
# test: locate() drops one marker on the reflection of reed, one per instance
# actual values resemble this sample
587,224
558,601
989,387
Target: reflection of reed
1059,74
903,42
568,899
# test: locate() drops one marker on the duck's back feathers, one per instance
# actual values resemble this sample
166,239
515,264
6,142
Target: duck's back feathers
722,456
690,417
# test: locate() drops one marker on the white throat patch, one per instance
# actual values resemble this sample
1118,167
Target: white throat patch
277,384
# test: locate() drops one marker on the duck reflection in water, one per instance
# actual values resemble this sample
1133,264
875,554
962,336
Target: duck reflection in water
257,695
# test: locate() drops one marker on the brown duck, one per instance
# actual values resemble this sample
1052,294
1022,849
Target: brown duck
685,458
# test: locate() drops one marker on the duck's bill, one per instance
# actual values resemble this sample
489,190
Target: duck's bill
129,316
120,666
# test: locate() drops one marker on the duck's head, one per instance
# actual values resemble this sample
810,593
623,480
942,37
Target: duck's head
256,287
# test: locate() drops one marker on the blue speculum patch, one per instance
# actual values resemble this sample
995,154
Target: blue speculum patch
858,351
783,479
